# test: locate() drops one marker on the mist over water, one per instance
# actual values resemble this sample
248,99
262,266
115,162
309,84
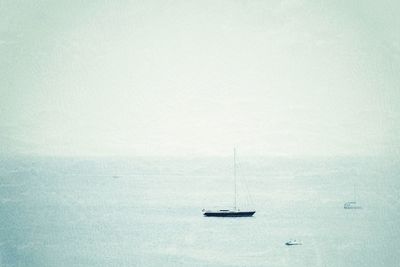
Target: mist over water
147,212
194,78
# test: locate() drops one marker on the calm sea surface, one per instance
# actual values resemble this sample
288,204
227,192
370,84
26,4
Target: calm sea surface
147,212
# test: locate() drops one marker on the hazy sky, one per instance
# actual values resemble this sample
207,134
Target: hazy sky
197,77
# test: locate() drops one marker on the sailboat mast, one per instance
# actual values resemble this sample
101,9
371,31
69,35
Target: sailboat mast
234,171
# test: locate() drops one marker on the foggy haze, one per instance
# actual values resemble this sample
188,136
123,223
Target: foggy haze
197,77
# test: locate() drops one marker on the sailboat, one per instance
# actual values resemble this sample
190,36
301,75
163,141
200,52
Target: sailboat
352,204
235,212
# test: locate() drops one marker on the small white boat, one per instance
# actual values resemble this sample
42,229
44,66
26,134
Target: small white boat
293,243
351,205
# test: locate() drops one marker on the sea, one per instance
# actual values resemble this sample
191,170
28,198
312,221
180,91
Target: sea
147,211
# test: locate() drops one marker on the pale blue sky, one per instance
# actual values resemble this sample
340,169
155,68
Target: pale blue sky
190,78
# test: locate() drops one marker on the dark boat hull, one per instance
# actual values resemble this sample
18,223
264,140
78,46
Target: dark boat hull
229,214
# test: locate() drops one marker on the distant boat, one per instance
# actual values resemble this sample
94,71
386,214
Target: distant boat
293,243
235,212
352,204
